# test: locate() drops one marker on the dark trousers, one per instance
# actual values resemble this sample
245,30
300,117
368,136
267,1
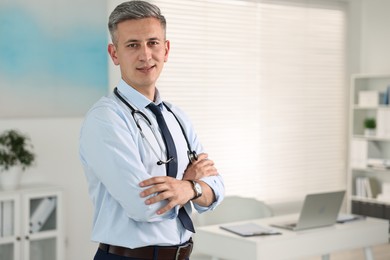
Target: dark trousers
102,255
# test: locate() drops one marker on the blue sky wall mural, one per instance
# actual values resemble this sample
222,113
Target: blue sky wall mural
53,57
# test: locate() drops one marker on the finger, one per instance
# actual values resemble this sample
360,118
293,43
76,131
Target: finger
212,172
167,207
157,188
201,163
201,157
205,163
200,173
159,197
153,181
209,171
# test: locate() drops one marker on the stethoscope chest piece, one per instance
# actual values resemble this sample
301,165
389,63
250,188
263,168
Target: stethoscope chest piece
192,156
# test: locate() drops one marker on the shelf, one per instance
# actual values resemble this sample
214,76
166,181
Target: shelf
45,244
44,234
370,200
373,170
363,147
357,107
7,240
371,138
370,76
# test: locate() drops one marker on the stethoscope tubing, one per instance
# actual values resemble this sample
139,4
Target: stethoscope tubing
192,155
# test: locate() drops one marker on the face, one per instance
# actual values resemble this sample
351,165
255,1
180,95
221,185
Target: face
141,52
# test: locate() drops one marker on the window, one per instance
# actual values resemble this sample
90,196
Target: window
264,84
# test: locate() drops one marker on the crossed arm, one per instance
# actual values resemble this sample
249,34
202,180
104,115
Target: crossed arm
179,192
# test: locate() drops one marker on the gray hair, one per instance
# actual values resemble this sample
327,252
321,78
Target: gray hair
133,10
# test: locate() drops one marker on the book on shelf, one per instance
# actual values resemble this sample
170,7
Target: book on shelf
361,151
387,96
383,123
371,98
42,213
360,189
379,164
366,187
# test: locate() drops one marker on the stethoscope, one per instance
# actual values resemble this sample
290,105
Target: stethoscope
192,155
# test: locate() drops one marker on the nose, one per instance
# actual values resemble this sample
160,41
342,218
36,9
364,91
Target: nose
145,53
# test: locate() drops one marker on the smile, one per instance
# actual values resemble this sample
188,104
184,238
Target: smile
146,69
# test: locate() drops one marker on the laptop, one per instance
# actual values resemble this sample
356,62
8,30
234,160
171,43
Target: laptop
319,210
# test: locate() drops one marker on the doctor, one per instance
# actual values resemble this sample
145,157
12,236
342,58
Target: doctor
144,164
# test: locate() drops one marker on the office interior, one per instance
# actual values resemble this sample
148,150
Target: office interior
55,139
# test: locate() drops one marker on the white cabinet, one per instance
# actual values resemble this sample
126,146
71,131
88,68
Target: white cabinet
31,224
369,152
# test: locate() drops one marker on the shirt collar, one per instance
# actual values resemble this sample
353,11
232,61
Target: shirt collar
136,98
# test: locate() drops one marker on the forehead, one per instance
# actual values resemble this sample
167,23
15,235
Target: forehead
140,29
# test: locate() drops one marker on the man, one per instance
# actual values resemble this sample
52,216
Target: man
144,164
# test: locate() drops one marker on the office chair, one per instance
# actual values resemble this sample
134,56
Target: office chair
233,208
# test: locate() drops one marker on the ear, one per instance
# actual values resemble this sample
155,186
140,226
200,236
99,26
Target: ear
113,53
167,48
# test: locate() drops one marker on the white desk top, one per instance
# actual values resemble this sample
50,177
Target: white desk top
212,240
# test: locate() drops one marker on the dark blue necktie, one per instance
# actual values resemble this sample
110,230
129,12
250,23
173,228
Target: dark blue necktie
171,166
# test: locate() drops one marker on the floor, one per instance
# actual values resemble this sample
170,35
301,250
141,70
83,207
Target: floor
380,252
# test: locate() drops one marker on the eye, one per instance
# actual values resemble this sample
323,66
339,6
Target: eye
132,45
153,43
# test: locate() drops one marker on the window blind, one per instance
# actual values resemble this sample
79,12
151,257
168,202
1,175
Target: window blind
264,85
303,97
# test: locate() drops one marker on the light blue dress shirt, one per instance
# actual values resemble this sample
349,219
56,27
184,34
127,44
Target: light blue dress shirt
116,158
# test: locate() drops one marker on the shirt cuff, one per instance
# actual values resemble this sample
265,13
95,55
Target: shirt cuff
216,184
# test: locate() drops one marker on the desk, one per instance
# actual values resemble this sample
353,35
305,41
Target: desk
364,233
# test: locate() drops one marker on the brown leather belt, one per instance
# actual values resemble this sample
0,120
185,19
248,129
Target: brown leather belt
180,252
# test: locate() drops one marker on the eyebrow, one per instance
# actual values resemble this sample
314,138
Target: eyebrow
150,39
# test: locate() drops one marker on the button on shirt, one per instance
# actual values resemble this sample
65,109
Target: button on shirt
116,158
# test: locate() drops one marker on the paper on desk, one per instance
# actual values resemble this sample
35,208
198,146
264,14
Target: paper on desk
250,229
342,218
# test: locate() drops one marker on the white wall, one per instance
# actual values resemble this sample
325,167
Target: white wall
56,139
375,36
368,37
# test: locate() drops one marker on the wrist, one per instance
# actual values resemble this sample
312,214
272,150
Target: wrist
193,193
197,189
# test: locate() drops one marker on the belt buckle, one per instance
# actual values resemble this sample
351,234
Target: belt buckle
179,248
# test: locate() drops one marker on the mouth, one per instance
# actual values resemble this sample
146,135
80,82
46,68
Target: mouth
146,69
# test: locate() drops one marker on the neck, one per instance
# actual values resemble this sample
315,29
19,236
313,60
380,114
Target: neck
148,91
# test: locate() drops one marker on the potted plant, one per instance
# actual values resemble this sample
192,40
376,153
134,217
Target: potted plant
15,156
369,126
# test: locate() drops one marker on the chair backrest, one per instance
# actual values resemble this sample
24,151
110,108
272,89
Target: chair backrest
235,208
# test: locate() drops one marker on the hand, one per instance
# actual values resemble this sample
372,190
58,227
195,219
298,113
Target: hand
176,192
200,168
